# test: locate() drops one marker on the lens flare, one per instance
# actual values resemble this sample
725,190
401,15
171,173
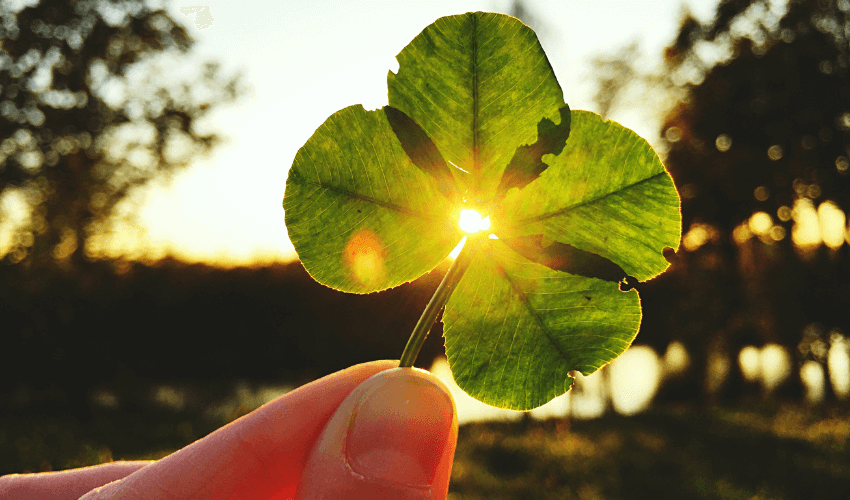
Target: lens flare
364,256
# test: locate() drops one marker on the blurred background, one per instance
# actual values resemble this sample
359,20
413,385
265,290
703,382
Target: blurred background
149,294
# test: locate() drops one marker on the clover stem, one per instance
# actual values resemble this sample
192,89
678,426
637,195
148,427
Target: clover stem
438,300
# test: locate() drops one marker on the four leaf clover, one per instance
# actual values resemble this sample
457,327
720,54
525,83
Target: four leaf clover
576,204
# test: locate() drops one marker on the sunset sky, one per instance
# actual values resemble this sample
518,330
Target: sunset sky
304,60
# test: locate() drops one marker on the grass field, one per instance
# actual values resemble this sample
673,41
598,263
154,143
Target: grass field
780,452
772,451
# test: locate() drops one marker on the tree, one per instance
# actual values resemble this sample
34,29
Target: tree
763,132
768,123
757,134
86,116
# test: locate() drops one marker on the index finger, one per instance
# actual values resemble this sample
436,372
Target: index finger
64,484
260,455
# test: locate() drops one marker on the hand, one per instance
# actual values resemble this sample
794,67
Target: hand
370,431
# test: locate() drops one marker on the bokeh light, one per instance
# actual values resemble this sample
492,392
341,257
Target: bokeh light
811,373
806,231
838,362
760,223
697,236
748,360
718,367
775,366
723,143
631,394
633,381
14,214
589,396
832,224
676,359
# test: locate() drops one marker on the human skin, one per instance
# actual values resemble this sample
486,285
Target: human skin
369,431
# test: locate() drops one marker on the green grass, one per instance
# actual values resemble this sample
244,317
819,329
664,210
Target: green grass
771,451
780,452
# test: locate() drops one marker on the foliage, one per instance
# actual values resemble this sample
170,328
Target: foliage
765,130
476,120
770,123
756,140
85,117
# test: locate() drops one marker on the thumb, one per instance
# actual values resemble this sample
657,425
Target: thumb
394,436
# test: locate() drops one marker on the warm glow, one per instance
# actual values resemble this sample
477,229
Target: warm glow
226,208
760,223
742,233
676,359
472,222
14,213
811,373
832,221
631,394
696,237
775,366
364,257
589,396
718,370
806,230
748,360
838,361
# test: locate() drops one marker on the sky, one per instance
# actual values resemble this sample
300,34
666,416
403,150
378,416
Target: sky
304,60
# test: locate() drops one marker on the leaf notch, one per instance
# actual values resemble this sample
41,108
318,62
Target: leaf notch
527,163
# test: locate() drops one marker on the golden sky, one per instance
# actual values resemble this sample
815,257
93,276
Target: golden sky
304,60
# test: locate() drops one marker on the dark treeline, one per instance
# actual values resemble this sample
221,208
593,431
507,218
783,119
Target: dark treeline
67,333
125,328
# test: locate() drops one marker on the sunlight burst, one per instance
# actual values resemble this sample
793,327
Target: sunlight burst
472,222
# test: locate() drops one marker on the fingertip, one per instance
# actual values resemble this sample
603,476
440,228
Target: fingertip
399,429
393,437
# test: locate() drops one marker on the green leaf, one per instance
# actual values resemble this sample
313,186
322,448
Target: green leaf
527,163
361,216
476,116
423,152
545,299
606,193
478,84
567,258
514,328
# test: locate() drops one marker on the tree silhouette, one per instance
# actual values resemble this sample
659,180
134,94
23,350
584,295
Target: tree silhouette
764,128
87,115
768,125
758,124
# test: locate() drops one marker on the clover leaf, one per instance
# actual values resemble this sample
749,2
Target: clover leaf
577,206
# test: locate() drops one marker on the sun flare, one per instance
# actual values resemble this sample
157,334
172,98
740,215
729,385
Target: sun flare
472,222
